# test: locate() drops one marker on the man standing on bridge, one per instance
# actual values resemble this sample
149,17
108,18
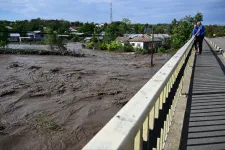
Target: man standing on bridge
200,36
195,30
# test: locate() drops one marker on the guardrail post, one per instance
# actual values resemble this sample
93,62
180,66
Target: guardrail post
138,140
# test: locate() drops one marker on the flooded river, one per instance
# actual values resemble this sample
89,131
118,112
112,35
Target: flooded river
58,102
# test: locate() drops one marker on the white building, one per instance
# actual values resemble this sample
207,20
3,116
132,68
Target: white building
36,35
14,37
99,25
73,29
140,41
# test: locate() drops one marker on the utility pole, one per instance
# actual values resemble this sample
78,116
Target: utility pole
152,50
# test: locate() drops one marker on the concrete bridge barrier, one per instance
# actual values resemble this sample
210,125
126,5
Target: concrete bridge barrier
144,122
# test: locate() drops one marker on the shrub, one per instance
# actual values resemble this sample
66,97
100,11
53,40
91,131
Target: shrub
120,49
103,46
83,46
114,46
3,43
128,47
108,46
90,45
55,42
75,39
3,36
94,39
139,50
161,50
98,45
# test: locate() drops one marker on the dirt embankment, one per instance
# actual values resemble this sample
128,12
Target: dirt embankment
56,103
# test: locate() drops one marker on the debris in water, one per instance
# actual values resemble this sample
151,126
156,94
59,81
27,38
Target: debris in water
7,92
54,70
35,67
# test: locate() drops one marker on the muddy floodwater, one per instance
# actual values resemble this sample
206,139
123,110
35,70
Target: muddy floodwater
60,103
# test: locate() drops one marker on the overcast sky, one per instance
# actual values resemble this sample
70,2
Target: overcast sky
138,11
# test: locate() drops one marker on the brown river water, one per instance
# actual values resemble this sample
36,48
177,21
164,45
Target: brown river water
60,103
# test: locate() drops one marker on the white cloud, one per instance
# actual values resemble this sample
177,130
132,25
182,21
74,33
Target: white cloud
151,11
22,6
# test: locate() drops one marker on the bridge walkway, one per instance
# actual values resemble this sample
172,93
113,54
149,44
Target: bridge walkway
204,123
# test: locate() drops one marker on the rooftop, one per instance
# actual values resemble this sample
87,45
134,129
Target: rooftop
137,38
8,27
143,38
156,36
122,39
74,27
15,34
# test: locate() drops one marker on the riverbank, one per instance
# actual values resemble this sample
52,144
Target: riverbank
40,52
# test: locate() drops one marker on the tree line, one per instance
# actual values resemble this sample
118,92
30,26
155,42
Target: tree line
180,30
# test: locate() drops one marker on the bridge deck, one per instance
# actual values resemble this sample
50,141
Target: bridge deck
204,124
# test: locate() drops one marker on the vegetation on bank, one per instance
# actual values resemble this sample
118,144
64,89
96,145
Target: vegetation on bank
114,46
215,31
57,46
3,37
40,52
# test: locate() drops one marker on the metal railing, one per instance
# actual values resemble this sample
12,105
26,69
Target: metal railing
143,123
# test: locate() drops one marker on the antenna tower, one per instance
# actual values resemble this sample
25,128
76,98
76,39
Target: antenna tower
111,14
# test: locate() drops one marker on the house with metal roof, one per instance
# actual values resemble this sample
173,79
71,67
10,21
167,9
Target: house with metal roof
8,27
163,37
99,25
36,35
140,41
74,30
14,37
88,39
123,40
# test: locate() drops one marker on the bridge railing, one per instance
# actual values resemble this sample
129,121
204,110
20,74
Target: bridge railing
143,123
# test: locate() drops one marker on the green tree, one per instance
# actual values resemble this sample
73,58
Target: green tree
125,26
50,37
126,21
136,28
189,19
209,31
161,49
87,28
54,42
159,29
141,29
198,17
3,36
112,32
180,34
181,30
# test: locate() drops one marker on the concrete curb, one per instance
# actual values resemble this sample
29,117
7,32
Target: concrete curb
218,49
